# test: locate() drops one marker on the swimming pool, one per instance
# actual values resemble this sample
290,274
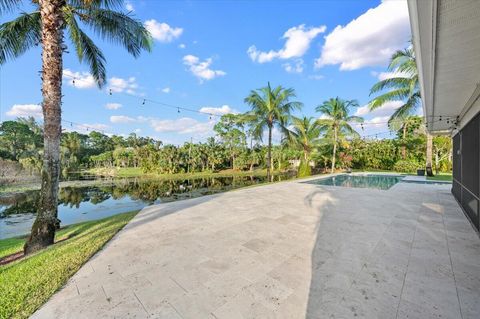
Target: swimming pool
359,181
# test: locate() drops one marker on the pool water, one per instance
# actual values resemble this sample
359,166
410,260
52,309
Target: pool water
383,182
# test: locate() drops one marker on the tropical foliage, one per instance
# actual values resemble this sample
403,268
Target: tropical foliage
402,85
336,121
304,142
46,25
271,107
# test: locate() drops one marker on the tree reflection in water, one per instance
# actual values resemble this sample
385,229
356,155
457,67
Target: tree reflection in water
124,193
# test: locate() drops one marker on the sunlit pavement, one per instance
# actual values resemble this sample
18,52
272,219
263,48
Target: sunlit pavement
287,250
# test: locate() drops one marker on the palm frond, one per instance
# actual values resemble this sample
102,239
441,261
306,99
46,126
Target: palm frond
394,95
118,28
19,35
353,118
9,5
404,111
87,50
108,4
391,83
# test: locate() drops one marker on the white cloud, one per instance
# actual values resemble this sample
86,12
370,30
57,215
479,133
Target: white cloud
295,67
378,120
113,106
129,6
201,69
387,109
297,42
162,31
388,75
184,125
80,80
224,109
122,119
166,90
182,46
368,40
119,85
25,110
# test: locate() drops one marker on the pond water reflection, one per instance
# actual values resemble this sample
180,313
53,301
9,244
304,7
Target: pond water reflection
77,204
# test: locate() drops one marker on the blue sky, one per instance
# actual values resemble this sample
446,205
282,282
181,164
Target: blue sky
210,54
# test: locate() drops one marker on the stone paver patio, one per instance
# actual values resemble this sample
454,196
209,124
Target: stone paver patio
287,250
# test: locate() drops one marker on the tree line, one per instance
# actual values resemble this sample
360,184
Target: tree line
235,146
52,21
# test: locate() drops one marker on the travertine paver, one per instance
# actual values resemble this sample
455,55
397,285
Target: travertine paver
288,250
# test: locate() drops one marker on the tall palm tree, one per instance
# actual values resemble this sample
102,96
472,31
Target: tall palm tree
304,134
46,26
404,86
270,107
335,120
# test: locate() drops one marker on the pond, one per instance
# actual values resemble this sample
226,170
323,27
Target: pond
83,203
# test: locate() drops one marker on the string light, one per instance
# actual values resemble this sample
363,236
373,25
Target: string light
211,115
144,100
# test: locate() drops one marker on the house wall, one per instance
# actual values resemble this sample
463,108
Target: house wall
466,169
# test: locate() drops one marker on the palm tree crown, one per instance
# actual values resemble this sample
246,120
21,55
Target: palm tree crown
46,26
335,114
304,134
25,32
335,119
270,107
403,85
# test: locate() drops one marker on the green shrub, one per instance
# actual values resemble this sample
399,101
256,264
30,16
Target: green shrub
304,169
406,166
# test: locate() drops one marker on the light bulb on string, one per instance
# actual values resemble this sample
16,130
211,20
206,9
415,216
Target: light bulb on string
110,91
143,103
178,110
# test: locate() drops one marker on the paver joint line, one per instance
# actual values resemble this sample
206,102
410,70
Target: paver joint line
287,250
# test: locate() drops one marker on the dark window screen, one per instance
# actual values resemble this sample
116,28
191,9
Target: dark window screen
470,205
457,190
470,156
457,159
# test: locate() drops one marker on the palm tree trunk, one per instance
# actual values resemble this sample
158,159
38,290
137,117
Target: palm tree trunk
334,148
429,153
269,154
404,148
43,229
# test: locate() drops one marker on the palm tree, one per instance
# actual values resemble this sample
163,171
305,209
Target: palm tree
335,120
304,135
404,86
270,108
46,26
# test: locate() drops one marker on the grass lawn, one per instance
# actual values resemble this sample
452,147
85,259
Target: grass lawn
441,177
28,283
